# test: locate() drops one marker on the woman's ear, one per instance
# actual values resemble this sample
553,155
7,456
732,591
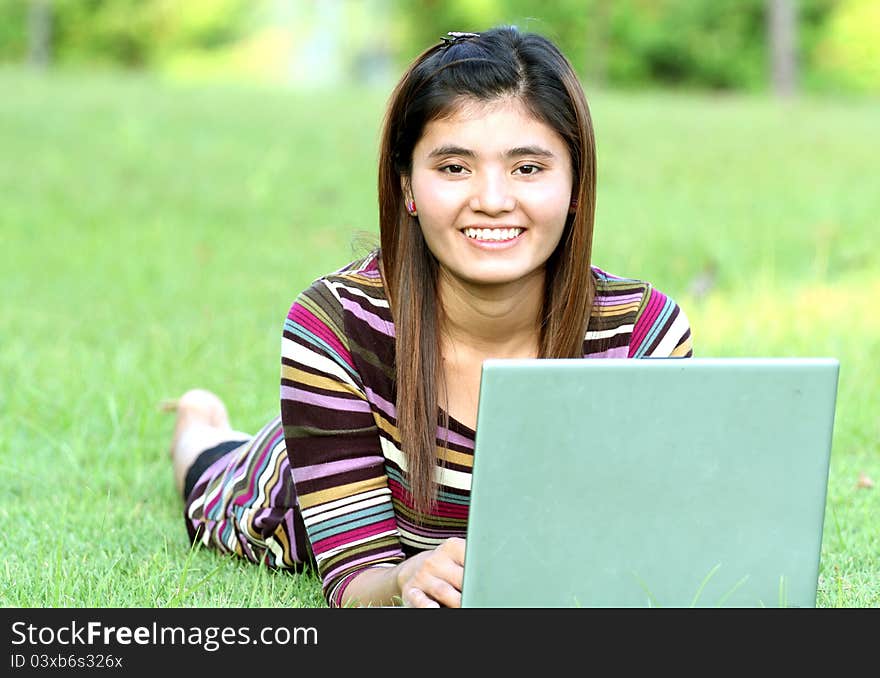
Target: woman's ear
408,200
406,189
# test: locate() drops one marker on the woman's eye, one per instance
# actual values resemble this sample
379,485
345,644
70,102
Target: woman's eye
452,169
528,170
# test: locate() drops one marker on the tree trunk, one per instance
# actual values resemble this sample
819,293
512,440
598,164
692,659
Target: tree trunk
782,39
40,33
597,43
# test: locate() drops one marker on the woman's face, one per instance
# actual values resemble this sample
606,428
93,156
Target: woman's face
492,186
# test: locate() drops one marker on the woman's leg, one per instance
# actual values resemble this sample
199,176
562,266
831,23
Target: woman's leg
202,423
239,496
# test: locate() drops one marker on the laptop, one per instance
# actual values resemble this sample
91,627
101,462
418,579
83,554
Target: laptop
659,482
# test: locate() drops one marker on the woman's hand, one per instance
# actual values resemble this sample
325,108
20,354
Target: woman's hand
433,578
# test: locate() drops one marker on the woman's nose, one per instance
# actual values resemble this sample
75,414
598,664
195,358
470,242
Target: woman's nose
492,194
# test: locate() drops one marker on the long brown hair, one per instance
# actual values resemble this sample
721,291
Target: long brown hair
498,63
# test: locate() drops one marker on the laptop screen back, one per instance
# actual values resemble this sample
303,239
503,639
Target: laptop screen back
653,482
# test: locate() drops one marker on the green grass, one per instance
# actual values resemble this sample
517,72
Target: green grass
153,236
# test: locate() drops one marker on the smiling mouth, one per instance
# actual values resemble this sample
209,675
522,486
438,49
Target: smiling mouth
492,234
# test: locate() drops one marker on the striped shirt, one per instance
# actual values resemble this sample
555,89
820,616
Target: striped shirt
340,426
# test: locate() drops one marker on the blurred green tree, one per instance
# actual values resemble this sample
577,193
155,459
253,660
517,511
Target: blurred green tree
719,44
13,29
847,47
133,33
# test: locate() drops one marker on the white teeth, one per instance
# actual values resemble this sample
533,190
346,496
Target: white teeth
494,234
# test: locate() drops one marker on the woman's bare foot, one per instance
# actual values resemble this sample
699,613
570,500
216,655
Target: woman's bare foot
202,422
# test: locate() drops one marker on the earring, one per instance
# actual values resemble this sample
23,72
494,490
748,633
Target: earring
411,207
573,206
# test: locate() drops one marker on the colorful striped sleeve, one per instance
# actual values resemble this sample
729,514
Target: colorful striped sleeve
661,329
333,445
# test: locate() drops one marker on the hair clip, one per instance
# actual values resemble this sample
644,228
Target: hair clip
455,36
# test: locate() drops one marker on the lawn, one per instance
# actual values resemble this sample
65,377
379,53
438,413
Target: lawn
152,237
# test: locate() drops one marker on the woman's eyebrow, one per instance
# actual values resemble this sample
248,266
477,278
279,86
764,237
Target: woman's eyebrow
519,151
529,150
442,151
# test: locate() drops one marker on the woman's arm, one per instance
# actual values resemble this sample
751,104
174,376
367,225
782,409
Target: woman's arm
338,469
333,446
661,330
428,579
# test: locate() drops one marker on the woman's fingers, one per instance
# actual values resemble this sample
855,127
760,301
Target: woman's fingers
414,597
438,578
454,549
445,593
436,593
454,546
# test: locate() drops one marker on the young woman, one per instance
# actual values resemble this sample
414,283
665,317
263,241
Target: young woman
487,181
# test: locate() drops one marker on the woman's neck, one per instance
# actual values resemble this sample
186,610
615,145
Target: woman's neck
497,321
